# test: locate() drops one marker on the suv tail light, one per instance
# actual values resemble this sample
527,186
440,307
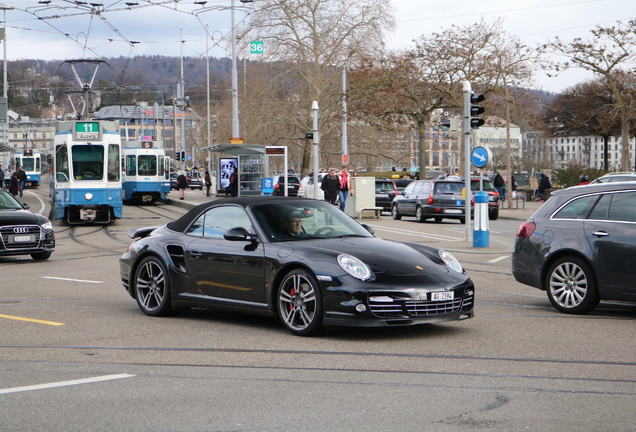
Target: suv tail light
430,194
526,229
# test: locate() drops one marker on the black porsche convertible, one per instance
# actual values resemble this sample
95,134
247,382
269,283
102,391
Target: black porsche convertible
301,259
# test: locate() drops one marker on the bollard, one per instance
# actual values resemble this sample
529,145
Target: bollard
481,235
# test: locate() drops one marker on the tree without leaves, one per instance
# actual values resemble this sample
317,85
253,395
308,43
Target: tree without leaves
585,109
313,39
418,82
607,55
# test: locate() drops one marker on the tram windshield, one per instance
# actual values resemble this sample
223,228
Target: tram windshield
88,162
147,165
28,163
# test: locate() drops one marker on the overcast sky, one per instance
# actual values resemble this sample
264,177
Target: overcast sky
69,32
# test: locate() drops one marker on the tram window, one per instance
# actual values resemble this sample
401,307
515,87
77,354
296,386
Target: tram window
131,165
28,164
61,163
113,163
87,162
37,165
147,165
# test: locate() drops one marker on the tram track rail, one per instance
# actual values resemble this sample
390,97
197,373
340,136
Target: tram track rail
387,359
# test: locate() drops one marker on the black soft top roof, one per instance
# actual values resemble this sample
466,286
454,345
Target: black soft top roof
181,224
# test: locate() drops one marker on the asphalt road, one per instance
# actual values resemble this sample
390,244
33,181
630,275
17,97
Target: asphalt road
76,353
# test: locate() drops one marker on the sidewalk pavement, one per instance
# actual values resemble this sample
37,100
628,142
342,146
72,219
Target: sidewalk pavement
521,210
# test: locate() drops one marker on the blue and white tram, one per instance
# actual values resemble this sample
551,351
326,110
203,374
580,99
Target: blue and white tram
86,174
146,171
30,160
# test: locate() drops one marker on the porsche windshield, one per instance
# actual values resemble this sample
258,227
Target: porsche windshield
305,220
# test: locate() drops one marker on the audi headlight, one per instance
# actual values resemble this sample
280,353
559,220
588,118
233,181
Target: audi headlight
451,261
47,226
354,267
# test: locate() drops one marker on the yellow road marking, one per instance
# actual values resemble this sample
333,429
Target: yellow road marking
31,320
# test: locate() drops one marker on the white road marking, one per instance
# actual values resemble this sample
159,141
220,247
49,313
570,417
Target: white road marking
416,234
65,383
42,204
501,258
72,280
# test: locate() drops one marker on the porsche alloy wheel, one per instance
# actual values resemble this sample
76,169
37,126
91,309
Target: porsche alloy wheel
300,303
152,288
571,286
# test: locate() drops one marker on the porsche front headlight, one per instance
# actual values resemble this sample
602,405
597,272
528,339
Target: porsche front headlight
354,267
451,261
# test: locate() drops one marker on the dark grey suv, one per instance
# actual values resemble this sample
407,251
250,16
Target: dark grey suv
580,247
430,199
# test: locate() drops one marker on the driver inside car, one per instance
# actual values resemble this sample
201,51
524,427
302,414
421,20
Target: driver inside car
293,225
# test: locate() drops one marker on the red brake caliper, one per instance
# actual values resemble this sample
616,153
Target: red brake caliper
292,293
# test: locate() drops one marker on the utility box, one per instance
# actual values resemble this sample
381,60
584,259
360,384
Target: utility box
363,196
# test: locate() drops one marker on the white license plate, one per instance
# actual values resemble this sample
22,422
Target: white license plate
22,239
441,296
453,211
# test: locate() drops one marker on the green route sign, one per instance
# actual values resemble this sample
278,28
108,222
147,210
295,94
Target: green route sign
256,47
87,131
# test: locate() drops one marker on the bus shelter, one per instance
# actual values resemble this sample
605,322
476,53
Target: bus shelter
247,160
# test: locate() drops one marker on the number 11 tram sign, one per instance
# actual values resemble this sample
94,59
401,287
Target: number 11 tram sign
87,131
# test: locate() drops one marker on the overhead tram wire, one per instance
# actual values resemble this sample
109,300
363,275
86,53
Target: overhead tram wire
87,9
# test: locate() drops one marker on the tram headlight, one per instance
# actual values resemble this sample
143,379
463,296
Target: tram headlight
88,196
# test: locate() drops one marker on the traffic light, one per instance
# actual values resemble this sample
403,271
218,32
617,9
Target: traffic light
177,155
183,156
475,110
451,124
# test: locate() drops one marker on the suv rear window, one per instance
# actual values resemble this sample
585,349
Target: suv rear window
488,185
384,187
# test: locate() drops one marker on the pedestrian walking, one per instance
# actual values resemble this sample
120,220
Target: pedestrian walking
22,178
544,184
345,186
182,184
330,185
14,186
208,182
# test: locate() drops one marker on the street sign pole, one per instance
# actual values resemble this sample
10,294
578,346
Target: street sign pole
314,111
467,135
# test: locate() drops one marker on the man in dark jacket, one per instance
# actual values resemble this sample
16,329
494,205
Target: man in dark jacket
22,177
499,185
544,184
330,186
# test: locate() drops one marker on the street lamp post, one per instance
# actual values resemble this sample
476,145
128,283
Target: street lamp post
5,81
235,110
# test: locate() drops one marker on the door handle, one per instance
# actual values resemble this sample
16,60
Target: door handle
195,254
600,234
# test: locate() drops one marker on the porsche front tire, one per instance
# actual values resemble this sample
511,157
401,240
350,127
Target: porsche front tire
300,306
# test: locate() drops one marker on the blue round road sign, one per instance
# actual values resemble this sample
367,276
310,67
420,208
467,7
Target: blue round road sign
480,157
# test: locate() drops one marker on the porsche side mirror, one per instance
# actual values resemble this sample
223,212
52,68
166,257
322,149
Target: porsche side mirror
239,234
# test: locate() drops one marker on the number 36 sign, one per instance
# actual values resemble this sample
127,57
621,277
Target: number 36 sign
256,47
